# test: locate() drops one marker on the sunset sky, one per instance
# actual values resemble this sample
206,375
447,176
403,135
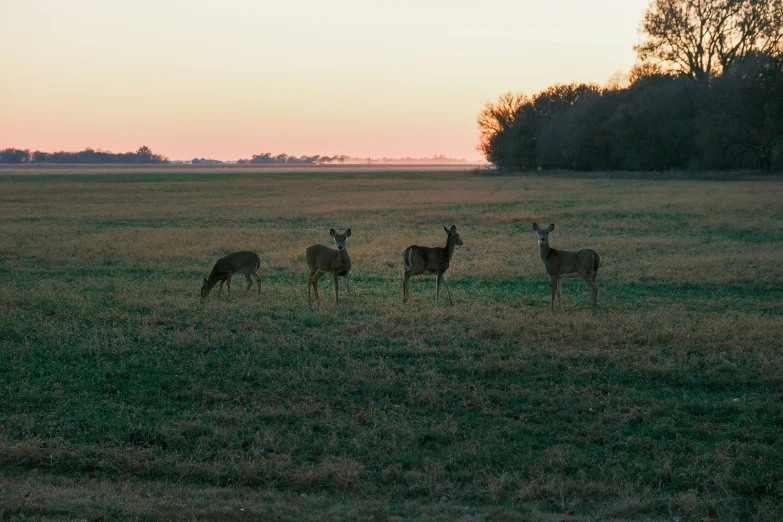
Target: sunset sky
229,79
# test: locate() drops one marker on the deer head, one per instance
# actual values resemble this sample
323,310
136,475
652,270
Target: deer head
453,233
543,233
340,238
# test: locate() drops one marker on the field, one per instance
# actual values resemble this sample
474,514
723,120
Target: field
123,396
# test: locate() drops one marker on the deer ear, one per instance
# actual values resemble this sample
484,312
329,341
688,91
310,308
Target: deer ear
348,233
551,227
332,232
453,228
535,227
446,229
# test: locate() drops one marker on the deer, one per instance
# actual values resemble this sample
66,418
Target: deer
245,263
420,260
324,260
562,264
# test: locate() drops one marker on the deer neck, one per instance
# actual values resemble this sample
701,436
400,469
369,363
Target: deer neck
213,278
342,256
545,250
451,244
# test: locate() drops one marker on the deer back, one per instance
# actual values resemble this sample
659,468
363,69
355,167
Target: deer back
571,262
419,260
244,262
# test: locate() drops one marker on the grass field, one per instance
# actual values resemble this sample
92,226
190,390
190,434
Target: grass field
123,396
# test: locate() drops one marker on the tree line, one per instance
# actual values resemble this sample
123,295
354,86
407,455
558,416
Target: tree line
284,159
706,93
142,156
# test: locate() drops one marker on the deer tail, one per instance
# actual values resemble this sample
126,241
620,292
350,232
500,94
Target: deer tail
408,256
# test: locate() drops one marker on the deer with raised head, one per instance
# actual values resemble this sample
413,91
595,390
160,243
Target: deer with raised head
562,264
426,260
245,263
324,260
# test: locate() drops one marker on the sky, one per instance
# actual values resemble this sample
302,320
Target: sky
228,79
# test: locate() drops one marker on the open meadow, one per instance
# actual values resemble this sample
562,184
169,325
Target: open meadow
123,396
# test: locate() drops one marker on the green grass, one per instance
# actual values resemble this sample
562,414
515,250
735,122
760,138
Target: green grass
125,396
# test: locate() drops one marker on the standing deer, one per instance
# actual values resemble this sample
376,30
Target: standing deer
245,263
561,264
420,260
324,260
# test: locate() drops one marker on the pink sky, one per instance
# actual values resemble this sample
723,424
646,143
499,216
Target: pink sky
227,80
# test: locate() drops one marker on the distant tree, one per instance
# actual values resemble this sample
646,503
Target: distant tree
616,82
145,155
496,124
511,128
701,38
15,156
88,155
575,136
731,116
267,159
645,72
653,124
741,125
558,98
262,158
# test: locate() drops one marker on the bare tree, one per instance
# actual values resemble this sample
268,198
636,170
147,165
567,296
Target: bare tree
645,71
701,38
496,122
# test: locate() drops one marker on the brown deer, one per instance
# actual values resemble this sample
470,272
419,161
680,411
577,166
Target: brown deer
245,263
324,260
562,264
420,260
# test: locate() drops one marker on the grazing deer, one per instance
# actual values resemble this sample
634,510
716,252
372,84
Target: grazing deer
420,260
324,260
561,264
245,263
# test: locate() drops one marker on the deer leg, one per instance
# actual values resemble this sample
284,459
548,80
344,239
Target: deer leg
220,288
336,290
249,283
312,283
593,290
316,278
347,286
589,279
437,286
446,284
553,284
228,285
559,292
405,277
309,286
258,281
